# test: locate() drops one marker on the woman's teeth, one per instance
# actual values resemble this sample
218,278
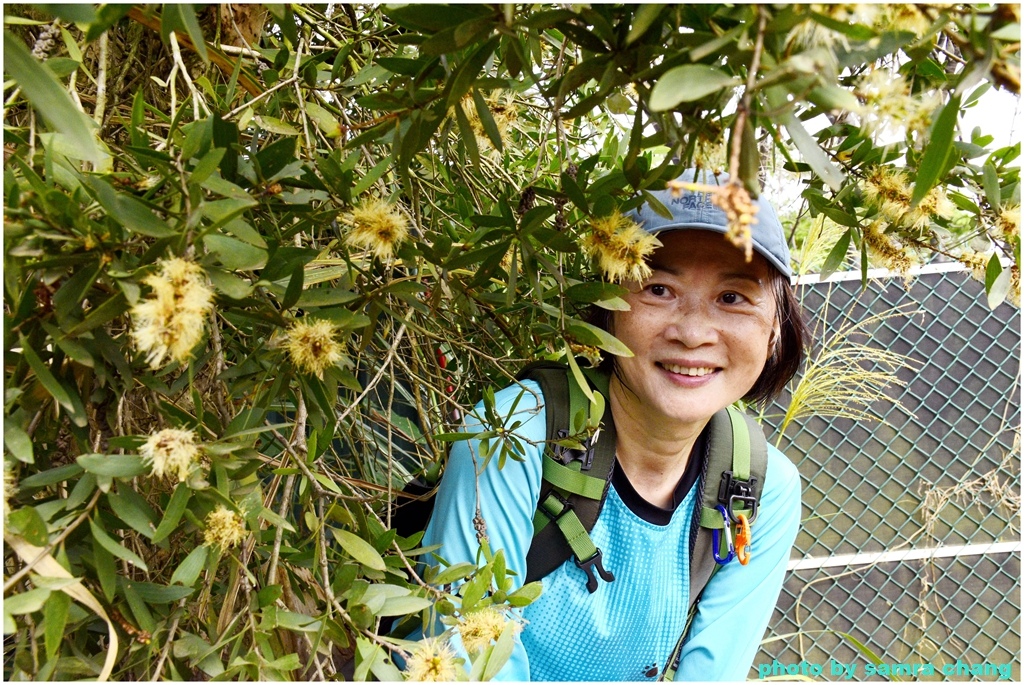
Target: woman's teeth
689,370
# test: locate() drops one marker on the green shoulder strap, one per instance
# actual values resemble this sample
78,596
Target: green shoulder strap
575,482
735,468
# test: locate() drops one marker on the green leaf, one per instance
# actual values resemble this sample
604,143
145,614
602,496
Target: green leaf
455,572
175,508
128,511
324,120
128,211
325,297
642,20
990,180
154,593
113,465
105,569
577,373
940,144
400,606
589,334
16,440
55,618
221,212
501,651
229,284
51,476
47,379
50,98
486,120
234,254
26,602
360,550
593,291
997,282
837,255
117,549
275,125
183,17
525,594
688,83
28,522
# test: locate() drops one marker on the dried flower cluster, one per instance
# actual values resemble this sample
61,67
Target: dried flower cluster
479,628
171,452
10,490
889,108
376,226
733,199
169,323
433,661
224,528
620,246
888,190
313,347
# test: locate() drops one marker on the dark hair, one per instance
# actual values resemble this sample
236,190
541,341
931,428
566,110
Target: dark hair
786,358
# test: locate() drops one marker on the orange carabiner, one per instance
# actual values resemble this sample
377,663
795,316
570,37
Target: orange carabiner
742,539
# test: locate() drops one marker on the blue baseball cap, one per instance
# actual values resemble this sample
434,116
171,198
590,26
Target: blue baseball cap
694,209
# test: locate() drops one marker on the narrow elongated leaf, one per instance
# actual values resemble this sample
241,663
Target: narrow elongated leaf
128,211
501,651
997,282
29,523
837,255
16,440
55,616
49,98
940,144
175,508
991,183
46,378
113,465
114,547
360,550
642,20
26,602
589,334
688,83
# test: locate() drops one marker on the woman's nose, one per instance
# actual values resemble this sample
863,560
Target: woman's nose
693,326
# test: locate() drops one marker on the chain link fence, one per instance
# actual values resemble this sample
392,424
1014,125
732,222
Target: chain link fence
909,550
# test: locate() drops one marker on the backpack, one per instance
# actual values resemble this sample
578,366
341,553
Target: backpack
575,483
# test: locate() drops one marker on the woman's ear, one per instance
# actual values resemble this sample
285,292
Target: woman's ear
773,340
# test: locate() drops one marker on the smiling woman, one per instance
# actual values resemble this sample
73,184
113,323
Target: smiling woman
708,325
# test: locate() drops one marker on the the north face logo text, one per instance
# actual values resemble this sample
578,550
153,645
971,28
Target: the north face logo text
693,200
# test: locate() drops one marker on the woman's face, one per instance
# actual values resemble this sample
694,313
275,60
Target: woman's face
699,327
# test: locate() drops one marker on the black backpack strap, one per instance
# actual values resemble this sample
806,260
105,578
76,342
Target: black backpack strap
734,473
575,481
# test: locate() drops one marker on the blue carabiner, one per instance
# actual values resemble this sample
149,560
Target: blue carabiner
716,540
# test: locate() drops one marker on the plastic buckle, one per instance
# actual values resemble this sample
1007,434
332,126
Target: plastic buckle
588,567
568,454
732,490
716,540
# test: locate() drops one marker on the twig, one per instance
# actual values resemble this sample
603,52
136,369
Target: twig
197,98
274,88
101,82
169,641
380,372
12,581
286,498
744,109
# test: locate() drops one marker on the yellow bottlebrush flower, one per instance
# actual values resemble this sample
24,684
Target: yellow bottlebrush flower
224,528
888,190
1009,222
734,200
890,108
902,17
171,452
620,247
977,262
1013,297
376,226
169,323
503,112
433,661
479,628
891,255
313,347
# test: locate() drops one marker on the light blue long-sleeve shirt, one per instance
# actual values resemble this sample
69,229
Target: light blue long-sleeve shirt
627,629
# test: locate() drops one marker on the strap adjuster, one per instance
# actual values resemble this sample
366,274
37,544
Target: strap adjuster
588,567
566,506
732,490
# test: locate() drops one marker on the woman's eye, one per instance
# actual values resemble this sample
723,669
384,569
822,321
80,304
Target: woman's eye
732,298
657,290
